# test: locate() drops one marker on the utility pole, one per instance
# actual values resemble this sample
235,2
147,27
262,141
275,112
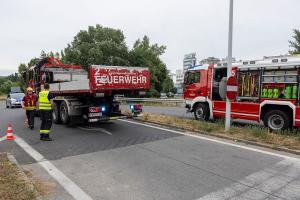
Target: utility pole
229,65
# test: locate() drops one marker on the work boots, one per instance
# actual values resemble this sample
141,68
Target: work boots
45,137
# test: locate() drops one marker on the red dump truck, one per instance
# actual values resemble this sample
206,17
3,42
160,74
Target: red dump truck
82,96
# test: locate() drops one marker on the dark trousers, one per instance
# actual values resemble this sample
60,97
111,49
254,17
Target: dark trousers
46,117
30,117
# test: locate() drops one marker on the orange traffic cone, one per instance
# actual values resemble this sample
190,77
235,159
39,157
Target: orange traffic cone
9,134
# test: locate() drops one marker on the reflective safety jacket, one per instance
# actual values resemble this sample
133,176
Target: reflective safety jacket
44,102
30,101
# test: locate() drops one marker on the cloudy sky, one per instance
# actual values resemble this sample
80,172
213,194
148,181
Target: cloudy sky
261,27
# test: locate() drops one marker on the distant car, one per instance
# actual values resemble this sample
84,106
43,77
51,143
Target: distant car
163,96
170,94
14,100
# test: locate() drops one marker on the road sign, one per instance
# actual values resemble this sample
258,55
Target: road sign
232,88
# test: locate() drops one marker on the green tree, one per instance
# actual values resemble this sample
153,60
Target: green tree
43,54
295,44
62,56
97,45
51,54
148,55
57,55
21,69
168,85
5,87
13,77
33,62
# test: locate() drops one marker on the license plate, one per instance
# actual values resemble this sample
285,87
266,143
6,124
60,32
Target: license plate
95,114
93,120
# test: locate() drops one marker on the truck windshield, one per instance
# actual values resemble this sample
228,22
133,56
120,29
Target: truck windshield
192,77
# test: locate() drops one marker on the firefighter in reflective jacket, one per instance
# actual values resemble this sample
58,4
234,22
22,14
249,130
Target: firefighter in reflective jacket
29,103
45,107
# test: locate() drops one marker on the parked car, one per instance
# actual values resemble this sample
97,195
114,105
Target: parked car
163,96
14,100
170,95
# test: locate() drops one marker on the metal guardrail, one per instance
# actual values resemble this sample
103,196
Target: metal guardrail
152,100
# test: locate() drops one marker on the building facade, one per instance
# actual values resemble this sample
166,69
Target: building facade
179,76
189,61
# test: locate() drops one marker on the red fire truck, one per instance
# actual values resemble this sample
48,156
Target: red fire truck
268,91
82,96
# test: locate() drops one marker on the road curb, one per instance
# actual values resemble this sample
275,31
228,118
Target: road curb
12,159
195,132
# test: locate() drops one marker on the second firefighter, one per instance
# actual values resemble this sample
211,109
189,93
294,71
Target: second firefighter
45,107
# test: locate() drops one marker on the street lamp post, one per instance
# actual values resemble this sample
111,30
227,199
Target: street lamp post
229,65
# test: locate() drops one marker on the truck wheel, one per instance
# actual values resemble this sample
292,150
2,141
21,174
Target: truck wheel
201,112
64,114
56,114
277,120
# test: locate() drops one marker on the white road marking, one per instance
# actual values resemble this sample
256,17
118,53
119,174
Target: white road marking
2,138
280,180
95,129
74,190
217,141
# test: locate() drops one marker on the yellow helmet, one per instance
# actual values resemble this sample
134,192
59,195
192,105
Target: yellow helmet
29,89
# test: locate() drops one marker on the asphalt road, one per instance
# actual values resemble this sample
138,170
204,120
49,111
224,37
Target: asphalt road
127,160
166,110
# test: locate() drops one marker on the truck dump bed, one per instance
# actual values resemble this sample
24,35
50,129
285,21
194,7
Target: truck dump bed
103,78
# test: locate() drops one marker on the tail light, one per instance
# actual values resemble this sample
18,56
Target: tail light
94,109
136,107
97,109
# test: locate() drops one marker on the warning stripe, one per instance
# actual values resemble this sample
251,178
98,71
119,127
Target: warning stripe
232,88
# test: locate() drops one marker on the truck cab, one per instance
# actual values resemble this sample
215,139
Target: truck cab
202,85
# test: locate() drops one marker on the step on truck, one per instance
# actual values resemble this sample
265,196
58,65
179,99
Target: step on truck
268,91
87,96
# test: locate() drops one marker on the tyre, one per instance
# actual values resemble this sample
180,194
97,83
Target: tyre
277,120
201,112
64,113
56,114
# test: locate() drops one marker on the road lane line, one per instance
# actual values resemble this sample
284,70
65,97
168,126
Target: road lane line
74,190
217,141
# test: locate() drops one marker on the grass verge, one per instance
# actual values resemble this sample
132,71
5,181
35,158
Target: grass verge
287,139
12,184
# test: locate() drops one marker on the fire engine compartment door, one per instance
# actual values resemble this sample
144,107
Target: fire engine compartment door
239,110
